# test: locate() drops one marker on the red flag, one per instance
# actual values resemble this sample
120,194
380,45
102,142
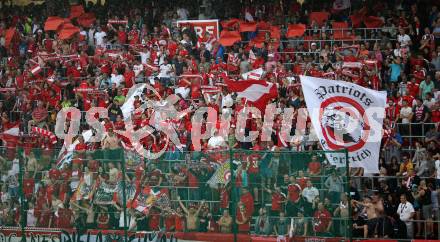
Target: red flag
340,30
295,30
256,92
263,25
86,20
231,23
358,17
67,31
248,27
258,40
9,36
319,17
76,11
228,38
373,22
275,32
53,22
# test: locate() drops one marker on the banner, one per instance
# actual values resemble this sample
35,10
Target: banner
346,116
202,26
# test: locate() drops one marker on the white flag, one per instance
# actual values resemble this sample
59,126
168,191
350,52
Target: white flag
128,106
346,116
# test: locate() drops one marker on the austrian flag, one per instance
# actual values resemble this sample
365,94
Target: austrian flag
257,92
36,69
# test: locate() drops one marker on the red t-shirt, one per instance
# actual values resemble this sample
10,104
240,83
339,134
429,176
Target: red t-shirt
170,222
248,202
224,198
28,186
242,227
302,182
64,216
54,174
154,221
323,219
314,167
294,192
277,199
179,222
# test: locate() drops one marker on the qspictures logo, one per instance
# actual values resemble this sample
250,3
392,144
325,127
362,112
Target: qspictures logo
343,128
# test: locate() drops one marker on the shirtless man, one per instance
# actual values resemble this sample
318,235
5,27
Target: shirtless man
225,222
373,207
110,141
110,144
192,216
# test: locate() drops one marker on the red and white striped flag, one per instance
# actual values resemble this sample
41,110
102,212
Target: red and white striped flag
256,92
36,69
10,135
256,74
45,133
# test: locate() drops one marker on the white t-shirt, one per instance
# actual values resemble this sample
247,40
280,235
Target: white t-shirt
310,193
403,40
31,219
429,103
165,70
99,38
137,69
117,79
405,112
227,101
144,56
405,210
437,169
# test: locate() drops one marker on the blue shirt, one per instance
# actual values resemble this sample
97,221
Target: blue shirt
395,72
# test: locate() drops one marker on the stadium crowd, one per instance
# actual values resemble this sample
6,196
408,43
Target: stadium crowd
277,194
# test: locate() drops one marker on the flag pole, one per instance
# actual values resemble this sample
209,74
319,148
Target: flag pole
233,198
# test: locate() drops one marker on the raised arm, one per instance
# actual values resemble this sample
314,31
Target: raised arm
181,205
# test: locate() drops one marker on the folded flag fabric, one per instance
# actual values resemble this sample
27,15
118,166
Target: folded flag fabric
295,30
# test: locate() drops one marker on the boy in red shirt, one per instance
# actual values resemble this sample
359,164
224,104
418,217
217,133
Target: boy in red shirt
322,221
